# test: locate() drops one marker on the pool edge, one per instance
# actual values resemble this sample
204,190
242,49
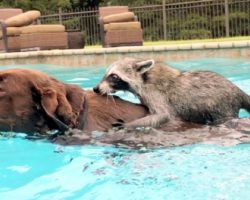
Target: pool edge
105,56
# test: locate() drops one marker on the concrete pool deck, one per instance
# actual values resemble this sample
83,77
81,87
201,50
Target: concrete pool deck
105,56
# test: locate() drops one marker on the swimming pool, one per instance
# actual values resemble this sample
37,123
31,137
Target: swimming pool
40,170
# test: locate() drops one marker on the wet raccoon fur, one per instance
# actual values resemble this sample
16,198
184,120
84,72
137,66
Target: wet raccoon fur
196,96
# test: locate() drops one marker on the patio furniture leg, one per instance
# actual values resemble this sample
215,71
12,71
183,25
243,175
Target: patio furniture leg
4,35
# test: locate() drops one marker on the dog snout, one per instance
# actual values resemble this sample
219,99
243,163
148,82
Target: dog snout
96,89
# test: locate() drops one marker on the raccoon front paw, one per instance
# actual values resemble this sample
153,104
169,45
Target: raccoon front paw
118,125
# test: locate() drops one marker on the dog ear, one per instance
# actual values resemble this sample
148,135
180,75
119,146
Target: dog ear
46,98
144,66
77,98
49,100
3,82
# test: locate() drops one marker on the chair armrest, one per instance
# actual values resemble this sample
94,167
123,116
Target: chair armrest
4,35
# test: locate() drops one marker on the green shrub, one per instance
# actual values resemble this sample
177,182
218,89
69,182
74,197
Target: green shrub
195,34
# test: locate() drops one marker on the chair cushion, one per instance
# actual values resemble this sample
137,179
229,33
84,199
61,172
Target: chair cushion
111,10
23,19
11,31
121,17
122,26
6,13
43,28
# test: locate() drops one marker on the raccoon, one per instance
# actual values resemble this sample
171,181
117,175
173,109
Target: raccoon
194,96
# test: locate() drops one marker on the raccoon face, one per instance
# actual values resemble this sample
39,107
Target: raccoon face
111,84
127,74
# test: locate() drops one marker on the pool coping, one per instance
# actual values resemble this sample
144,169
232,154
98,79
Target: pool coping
130,49
105,56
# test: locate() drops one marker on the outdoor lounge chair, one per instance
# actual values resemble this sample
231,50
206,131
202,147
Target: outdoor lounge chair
119,27
18,32
9,37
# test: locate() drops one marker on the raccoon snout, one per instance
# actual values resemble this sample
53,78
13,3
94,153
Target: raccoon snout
103,88
96,89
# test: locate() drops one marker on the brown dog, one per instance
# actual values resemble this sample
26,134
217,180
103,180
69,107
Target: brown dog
32,101
105,111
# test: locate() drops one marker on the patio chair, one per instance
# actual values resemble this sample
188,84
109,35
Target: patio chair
20,34
9,37
119,27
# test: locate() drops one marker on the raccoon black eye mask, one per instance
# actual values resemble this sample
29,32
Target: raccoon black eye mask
199,96
117,83
112,84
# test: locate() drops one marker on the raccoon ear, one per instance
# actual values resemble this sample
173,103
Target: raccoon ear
144,66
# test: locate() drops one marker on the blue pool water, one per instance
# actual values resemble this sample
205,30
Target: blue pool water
40,170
